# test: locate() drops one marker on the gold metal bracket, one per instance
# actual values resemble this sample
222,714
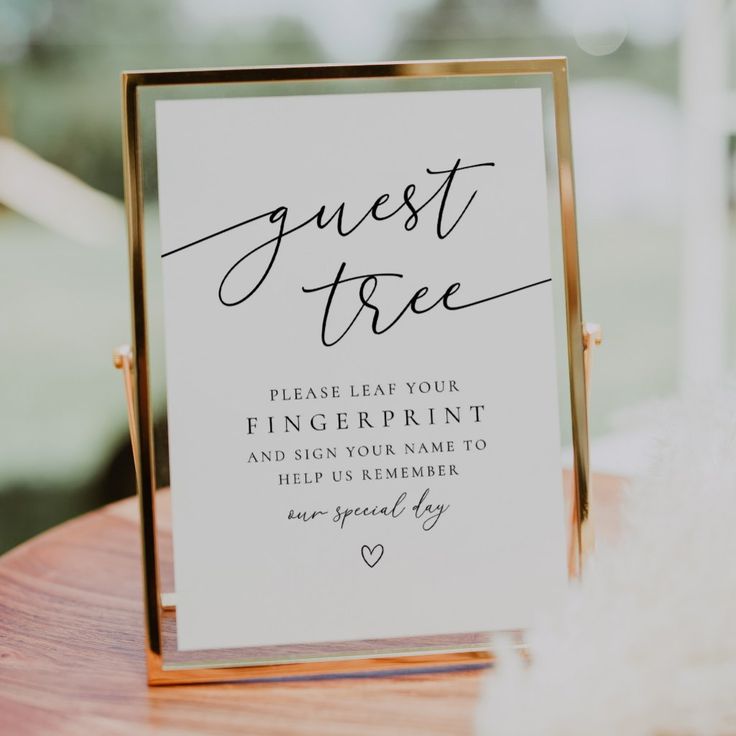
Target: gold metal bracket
122,359
592,338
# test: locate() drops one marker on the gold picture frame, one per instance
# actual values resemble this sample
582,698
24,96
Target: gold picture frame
135,361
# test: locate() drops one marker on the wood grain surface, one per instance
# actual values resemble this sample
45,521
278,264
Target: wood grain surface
72,654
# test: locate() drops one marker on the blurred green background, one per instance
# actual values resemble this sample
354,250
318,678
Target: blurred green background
64,303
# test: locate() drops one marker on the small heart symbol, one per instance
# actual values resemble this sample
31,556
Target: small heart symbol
371,555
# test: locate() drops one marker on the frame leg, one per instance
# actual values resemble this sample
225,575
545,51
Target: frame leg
122,359
592,338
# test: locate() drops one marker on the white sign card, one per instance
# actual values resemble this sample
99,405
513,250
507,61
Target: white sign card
363,412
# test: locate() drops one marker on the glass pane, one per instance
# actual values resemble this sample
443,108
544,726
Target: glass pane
377,647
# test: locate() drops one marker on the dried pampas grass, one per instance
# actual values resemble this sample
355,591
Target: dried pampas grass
646,644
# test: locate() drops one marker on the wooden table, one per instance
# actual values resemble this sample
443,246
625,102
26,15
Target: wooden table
72,662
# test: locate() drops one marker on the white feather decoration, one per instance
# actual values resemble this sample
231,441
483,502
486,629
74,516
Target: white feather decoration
646,643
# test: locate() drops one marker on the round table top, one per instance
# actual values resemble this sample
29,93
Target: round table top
72,655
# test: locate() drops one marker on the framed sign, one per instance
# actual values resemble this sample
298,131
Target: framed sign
357,325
